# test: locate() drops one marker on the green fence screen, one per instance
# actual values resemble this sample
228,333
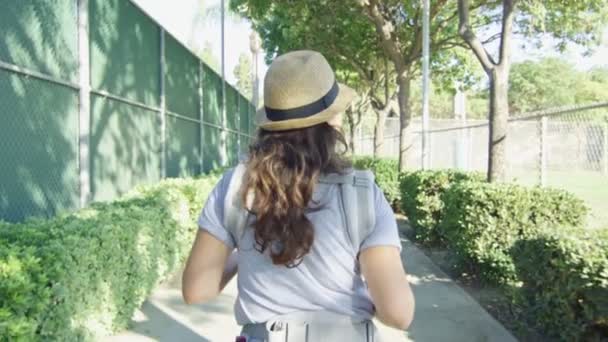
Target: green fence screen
211,148
125,147
181,79
40,98
183,147
212,97
41,35
212,114
252,126
232,108
232,148
125,51
38,147
244,114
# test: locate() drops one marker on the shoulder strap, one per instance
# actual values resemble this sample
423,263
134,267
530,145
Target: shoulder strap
235,215
356,195
357,199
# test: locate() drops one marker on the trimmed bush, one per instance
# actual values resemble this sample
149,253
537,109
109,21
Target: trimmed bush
421,201
482,221
82,275
564,276
387,175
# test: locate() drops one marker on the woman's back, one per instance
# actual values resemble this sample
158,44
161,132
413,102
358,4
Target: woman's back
327,278
299,272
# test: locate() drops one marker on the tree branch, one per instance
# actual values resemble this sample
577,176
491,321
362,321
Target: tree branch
365,77
435,9
498,35
464,28
492,38
450,45
379,104
508,12
386,73
361,70
385,31
443,24
447,20
416,46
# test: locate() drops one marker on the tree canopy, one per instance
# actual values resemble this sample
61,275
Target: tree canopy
359,36
566,21
242,73
339,32
206,54
553,82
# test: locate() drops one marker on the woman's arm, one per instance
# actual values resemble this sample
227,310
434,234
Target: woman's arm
388,286
210,267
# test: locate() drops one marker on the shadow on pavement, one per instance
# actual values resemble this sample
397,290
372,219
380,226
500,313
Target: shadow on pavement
151,323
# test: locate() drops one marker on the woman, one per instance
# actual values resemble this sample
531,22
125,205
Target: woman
301,278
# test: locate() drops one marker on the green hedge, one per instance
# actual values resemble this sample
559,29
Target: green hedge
526,238
387,175
421,201
80,276
482,221
564,276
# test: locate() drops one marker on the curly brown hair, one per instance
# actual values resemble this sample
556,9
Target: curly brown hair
282,171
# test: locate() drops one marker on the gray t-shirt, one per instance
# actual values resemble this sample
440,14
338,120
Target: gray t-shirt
325,280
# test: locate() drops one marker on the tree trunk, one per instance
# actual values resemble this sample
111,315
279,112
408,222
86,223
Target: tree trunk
498,125
381,115
353,117
405,118
353,139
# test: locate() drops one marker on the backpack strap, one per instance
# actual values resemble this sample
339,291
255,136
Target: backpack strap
235,215
357,201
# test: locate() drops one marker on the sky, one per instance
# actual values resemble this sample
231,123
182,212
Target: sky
180,19
574,54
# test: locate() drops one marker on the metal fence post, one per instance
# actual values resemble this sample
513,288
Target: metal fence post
84,103
543,151
469,150
238,122
163,106
254,45
605,151
426,154
461,136
223,132
429,149
201,117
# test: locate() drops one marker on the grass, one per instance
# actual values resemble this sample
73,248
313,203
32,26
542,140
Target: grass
591,186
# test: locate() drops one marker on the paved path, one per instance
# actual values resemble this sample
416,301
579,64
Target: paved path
444,312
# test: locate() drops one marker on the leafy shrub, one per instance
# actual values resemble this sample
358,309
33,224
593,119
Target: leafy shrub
564,276
82,275
482,221
421,200
387,175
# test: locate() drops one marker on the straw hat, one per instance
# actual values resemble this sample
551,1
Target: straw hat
300,90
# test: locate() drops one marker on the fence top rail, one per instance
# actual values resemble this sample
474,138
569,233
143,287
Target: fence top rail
38,75
529,116
167,32
558,111
164,29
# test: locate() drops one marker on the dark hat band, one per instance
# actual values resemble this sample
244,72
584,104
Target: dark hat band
307,110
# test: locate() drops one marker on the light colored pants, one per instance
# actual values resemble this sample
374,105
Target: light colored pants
318,326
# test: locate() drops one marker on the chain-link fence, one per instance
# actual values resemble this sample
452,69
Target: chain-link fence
564,147
95,98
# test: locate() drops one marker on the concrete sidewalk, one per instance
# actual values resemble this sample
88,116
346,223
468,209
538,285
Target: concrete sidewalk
444,312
